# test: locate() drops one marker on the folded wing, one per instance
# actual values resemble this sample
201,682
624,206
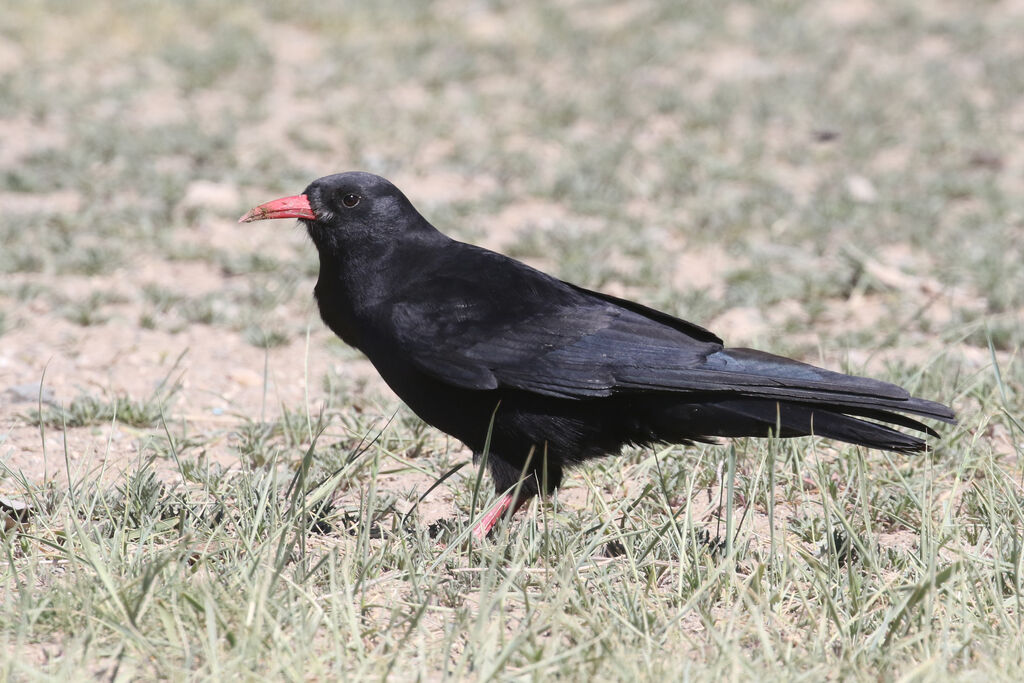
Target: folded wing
566,342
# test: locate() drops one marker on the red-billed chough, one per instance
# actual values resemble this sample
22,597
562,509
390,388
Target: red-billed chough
484,347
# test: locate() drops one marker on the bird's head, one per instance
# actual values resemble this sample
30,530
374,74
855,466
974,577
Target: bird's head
345,209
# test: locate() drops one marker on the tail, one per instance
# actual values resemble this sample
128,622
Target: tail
761,417
789,398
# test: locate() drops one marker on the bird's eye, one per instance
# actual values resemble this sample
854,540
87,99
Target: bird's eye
350,200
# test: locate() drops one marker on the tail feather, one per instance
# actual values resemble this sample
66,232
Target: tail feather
891,417
796,382
753,417
743,392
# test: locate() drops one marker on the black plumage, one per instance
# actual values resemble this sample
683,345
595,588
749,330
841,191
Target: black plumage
476,342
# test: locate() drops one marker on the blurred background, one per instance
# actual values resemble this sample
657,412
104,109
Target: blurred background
838,181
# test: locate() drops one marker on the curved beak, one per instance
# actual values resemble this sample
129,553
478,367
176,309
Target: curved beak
286,207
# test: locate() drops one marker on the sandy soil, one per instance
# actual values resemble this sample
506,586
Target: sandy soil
222,374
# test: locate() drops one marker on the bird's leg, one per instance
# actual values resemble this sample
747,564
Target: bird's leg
483,528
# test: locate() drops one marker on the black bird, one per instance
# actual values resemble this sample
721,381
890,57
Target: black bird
479,344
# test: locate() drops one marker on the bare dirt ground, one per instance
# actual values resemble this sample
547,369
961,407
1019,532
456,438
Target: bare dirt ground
839,182
220,368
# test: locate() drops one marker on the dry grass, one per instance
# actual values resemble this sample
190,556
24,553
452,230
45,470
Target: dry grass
220,488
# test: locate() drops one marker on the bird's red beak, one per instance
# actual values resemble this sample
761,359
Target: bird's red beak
286,207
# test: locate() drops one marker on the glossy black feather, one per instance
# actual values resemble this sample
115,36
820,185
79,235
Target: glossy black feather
465,335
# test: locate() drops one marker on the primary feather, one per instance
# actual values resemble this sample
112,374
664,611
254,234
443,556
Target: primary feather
547,373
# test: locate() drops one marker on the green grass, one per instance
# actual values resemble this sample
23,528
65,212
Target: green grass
841,182
86,410
208,572
89,410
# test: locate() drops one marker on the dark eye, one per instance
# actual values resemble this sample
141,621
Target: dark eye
350,200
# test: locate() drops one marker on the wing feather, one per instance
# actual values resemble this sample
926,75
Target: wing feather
563,341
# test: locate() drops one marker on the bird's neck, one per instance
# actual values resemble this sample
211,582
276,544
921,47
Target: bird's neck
357,282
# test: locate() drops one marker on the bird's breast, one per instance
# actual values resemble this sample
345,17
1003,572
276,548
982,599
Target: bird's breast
337,315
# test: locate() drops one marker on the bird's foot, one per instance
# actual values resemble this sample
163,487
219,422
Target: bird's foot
487,523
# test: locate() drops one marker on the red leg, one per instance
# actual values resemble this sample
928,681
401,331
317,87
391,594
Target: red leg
483,528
